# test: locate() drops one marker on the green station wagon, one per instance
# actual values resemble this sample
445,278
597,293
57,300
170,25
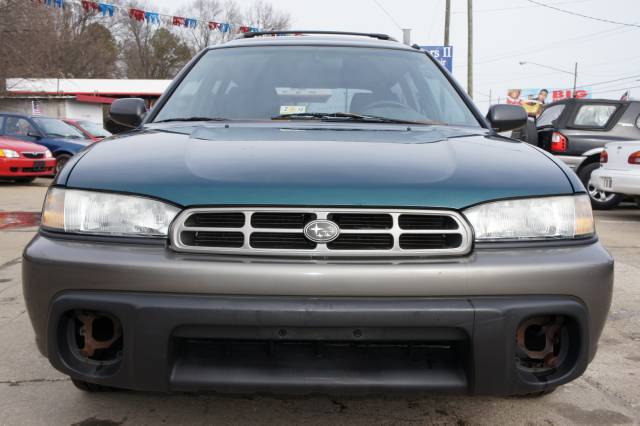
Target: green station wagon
306,212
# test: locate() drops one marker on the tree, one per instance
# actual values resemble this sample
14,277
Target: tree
168,55
39,41
153,53
91,53
261,15
201,37
265,17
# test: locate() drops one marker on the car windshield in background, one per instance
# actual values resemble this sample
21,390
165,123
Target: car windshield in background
549,115
317,83
58,128
94,128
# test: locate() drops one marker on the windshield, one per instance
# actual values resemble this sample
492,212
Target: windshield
549,115
270,82
58,128
94,128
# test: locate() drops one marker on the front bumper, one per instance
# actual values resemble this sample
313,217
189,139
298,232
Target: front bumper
23,167
176,308
622,181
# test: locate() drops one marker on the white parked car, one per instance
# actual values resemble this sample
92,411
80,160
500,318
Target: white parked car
619,170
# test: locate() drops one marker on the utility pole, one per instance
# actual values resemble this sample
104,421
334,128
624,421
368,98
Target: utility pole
447,20
470,48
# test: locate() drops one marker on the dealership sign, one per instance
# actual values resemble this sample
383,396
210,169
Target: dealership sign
442,54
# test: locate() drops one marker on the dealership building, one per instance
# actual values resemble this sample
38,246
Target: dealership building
80,99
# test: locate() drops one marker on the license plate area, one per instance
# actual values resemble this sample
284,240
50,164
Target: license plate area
39,166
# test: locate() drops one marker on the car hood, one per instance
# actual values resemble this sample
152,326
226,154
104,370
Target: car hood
20,146
222,164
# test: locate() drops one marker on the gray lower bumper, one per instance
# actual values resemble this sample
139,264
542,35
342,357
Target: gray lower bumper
52,267
304,344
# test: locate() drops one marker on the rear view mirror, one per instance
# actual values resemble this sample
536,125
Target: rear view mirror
128,112
506,117
35,135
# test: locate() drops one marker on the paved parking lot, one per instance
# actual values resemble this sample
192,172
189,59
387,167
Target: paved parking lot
31,392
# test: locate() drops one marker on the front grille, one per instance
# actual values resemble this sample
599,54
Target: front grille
281,220
33,154
416,221
213,239
429,241
280,231
280,240
362,242
217,220
32,169
362,221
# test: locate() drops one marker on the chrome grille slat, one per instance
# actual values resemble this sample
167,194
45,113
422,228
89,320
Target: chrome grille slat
342,231
393,234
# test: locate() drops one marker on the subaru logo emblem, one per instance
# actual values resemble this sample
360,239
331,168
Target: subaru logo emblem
321,231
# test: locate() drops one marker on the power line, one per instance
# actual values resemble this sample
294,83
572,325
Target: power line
609,81
500,9
547,46
609,21
616,89
388,14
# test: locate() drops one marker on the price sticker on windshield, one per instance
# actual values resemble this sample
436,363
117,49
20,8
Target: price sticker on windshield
293,109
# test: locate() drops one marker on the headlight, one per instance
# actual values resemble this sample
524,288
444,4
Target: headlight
99,213
533,219
47,154
9,153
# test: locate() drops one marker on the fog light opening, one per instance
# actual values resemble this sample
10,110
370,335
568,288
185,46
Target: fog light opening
535,338
541,342
97,336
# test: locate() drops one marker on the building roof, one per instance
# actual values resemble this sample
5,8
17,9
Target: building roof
82,86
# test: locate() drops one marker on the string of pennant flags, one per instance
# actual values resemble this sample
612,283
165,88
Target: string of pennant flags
140,15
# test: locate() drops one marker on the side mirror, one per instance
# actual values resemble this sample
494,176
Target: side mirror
35,135
506,117
128,112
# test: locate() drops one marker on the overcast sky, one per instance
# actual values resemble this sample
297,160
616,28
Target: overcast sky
505,33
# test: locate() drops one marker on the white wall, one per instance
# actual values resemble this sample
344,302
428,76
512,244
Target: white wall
84,111
50,107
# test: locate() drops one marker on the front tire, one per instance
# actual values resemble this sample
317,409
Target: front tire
61,160
600,200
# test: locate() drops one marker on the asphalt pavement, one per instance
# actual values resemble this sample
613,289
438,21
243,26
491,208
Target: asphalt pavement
33,393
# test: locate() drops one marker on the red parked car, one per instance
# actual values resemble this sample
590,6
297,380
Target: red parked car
22,161
91,130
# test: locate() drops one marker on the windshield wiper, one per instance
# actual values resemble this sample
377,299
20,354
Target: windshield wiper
347,116
192,119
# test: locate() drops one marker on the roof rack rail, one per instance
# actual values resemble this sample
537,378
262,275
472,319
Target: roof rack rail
299,32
